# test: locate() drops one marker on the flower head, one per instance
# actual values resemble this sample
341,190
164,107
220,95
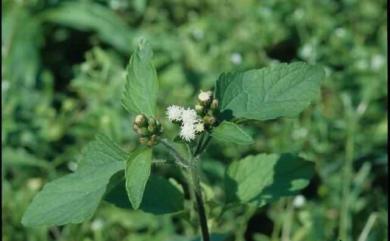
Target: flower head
187,132
189,121
174,113
204,96
189,116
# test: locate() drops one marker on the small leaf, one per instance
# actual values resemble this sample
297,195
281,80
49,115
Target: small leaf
160,196
140,94
281,90
266,177
228,132
137,173
75,197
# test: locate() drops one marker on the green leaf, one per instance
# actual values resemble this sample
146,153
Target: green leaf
21,39
281,90
262,178
89,16
75,197
160,196
228,132
140,94
137,173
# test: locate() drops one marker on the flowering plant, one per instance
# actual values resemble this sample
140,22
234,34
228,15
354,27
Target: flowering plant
125,178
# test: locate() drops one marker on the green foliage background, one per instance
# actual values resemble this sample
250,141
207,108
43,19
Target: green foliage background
63,66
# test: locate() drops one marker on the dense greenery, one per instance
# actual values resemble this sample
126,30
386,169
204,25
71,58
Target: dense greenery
64,65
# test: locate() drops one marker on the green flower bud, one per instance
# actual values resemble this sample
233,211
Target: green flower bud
154,137
214,104
151,143
152,128
135,127
143,140
140,120
143,131
209,120
151,121
199,109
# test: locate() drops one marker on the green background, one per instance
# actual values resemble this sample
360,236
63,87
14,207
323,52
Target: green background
63,66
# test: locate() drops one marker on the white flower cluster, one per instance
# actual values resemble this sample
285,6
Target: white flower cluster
190,122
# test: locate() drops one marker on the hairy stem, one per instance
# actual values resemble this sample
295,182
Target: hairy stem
199,202
193,172
179,159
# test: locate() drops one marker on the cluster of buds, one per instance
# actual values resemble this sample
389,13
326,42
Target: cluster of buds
148,129
206,108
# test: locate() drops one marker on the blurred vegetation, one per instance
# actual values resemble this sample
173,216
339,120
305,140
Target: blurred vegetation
62,75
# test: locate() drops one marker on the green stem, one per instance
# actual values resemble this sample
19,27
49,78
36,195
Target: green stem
202,144
199,144
194,180
179,159
199,202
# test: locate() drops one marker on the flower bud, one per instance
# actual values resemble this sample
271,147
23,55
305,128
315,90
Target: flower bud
135,127
143,140
214,104
140,120
154,137
205,97
152,128
209,120
143,131
199,109
151,142
199,127
151,121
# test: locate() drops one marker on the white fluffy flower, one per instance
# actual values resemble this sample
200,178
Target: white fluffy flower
189,119
175,112
189,116
187,132
204,95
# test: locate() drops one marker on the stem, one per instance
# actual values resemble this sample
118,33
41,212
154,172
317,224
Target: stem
199,203
194,180
198,146
179,159
202,144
